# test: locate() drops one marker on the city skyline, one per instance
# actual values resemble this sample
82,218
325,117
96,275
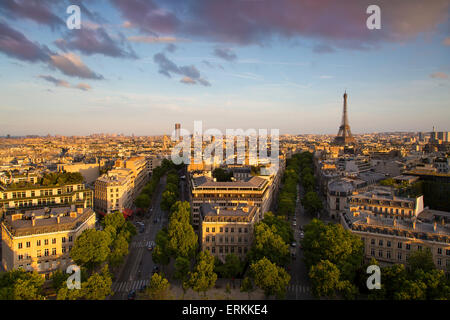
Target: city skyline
141,67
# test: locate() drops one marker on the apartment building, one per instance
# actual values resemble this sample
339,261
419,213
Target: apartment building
118,188
339,191
226,230
41,239
39,196
114,191
392,228
254,191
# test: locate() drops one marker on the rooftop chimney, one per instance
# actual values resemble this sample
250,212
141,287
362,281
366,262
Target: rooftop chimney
33,220
80,210
217,210
434,226
414,225
58,219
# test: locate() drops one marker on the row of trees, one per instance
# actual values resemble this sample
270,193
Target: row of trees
311,201
143,201
171,193
288,193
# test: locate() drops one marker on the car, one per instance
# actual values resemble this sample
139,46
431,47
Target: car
150,246
294,223
293,244
293,255
302,234
132,295
155,220
155,269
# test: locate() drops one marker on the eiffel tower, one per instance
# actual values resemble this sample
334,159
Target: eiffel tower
344,136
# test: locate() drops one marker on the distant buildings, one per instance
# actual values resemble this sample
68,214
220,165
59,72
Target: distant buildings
41,239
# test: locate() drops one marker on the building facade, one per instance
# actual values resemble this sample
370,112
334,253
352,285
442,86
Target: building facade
41,239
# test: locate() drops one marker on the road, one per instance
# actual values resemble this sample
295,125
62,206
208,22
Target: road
138,266
299,287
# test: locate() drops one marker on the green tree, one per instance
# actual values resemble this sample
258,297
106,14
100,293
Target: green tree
183,240
91,248
222,175
182,268
312,203
168,199
161,254
247,286
272,279
21,285
158,289
142,201
203,277
119,250
59,279
232,267
269,244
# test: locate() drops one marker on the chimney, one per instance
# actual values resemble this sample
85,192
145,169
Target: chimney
395,222
58,219
80,210
72,207
217,210
33,220
368,219
434,226
414,225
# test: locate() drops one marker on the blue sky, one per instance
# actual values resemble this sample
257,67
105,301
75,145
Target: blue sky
200,62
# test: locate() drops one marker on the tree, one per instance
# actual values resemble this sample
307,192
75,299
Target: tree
270,278
183,240
312,203
282,227
142,201
182,268
59,279
269,244
232,267
333,243
203,276
247,286
118,251
222,175
422,260
326,281
115,219
161,254
168,199
21,285
158,289
91,248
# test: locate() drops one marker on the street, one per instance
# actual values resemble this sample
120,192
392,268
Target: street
299,287
138,266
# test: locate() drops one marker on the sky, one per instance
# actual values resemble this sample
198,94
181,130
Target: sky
140,66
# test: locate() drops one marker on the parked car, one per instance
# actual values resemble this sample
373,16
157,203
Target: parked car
155,269
294,223
293,244
151,246
132,295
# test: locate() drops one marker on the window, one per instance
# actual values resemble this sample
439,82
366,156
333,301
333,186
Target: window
20,257
207,229
380,243
399,256
372,252
439,250
447,252
53,240
63,239
70,239
240,230
388,244
207,239
213,239
213,229
232,229
46,242
28,244
63,249
20,245
213,249
419,247
54,252
221,229
372,241
408,246
221,249
46,252
388,254
399,245
380,253
38,253
226,229
439,262
245,230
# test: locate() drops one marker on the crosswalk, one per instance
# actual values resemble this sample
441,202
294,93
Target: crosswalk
141,244
299,288
127,286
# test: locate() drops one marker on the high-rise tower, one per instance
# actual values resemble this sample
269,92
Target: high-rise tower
344,135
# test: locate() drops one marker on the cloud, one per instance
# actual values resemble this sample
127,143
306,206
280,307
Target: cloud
127,25
16,45
155,39
65,84
336,23
225,53
439,75
35,10
326,77
56,82
187,80
70,64
171,48
323,48
446,41
168,67
95,41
